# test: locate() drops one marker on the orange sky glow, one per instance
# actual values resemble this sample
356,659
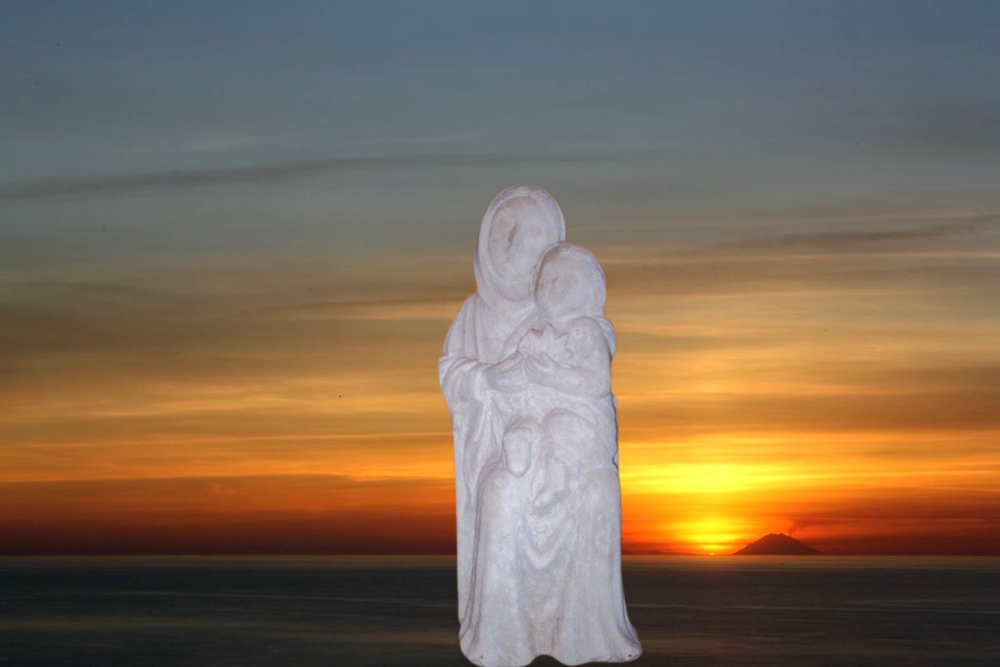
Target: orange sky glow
832,391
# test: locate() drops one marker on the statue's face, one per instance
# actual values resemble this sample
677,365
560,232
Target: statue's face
559,290
521,231
568,284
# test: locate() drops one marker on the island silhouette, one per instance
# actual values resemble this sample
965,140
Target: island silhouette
777,544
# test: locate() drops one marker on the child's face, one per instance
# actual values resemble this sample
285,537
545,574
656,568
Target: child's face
562,290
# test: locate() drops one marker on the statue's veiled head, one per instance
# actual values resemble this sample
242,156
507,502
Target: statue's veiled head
518,226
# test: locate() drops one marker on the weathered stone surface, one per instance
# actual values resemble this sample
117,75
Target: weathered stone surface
526,372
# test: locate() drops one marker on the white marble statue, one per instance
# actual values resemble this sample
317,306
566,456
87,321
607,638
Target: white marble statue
526,372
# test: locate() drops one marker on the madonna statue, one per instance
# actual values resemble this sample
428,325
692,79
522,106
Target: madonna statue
526,373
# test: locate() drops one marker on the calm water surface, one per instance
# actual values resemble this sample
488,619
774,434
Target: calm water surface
402,611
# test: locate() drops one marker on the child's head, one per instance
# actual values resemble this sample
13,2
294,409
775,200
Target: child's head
569,282
517,441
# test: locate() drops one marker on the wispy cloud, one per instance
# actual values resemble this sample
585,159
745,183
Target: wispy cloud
276,173
964,129
210,144
877,239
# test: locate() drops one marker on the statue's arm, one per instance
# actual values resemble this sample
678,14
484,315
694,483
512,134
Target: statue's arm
462,377
465,378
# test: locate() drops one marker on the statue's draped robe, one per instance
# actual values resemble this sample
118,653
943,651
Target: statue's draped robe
477,423
475,341
547,580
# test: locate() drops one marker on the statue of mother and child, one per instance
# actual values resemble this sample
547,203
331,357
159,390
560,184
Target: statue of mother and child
526,373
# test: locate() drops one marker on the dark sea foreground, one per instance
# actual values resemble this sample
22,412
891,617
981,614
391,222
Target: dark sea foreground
402,611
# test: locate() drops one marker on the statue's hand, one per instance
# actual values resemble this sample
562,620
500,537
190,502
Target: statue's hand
540,367
549,495
508,375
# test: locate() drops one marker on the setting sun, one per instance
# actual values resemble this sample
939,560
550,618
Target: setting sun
709,535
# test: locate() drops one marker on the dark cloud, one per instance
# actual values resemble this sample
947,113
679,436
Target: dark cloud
961,129
59,350
440,308
275,173
70,290
262,514
111,362
194,309
946,255
961,399
875,239
902,519
810,277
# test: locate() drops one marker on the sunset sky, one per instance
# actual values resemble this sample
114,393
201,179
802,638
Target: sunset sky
233,236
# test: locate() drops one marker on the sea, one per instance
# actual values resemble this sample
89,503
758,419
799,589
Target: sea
385,611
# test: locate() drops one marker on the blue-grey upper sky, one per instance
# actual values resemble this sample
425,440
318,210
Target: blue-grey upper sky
357,124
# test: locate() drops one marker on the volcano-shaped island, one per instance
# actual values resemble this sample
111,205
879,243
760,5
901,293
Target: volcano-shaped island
777,544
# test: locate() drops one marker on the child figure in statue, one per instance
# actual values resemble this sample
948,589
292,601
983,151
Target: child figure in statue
567,351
